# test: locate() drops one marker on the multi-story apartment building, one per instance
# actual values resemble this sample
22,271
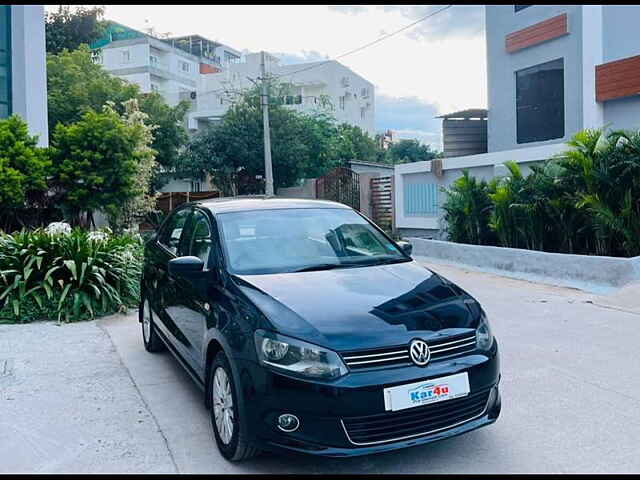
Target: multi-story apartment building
23,78
171,66
552,70
350,97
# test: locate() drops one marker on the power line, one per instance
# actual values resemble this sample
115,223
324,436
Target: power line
378,40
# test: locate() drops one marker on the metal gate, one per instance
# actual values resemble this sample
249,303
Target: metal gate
340,185
382,202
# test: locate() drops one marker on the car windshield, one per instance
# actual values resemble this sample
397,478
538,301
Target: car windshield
304,239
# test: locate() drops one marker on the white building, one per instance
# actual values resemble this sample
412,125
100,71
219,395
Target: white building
23,73
552,71
352,97
172,66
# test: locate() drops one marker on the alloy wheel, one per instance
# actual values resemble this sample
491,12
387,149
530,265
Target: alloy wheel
146,322
223,405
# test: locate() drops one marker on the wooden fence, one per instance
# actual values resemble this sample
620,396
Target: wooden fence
382,202
166,202
340,185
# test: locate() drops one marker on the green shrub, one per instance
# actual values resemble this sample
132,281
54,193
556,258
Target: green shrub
583,201
467,211
71,276
23,169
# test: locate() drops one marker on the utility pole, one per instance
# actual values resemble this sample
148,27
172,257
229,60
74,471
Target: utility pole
264,101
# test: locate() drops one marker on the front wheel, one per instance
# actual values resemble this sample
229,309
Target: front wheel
228,425
150,338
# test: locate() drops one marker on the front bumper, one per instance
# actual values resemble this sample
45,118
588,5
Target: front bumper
321,407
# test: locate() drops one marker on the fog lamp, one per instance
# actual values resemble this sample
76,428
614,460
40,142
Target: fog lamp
288,422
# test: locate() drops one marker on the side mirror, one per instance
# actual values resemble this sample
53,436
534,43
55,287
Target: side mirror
405,246
185,265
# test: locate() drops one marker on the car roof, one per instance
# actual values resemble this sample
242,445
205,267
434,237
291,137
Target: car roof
262,202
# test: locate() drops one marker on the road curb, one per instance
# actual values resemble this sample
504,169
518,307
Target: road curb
586,272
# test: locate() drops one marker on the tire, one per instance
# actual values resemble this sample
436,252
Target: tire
233,447
152,342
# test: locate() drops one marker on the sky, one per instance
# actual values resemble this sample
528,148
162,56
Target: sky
436,67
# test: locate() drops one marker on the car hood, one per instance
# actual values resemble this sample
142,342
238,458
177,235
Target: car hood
363,307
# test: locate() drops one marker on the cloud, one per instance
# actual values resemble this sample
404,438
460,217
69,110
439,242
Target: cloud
348,9
302,57
409,117
460,20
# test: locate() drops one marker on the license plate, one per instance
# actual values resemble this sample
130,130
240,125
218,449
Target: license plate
426,392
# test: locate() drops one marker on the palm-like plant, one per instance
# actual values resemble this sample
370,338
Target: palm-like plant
467,210
82,275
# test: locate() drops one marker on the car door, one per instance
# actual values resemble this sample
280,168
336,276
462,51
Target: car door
167,294
190,314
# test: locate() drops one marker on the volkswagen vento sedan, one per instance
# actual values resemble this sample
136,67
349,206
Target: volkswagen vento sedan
310,330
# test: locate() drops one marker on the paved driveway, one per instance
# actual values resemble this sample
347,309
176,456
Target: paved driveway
570,396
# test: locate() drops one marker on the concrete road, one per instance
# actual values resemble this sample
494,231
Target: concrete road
570,396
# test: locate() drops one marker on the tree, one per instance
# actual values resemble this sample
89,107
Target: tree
410,150
233,150
23,168
101,163
170,134
352,143
76,85
65,29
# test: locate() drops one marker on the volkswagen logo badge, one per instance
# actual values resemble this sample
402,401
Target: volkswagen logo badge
419,352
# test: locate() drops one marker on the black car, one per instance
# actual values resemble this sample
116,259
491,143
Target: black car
310,330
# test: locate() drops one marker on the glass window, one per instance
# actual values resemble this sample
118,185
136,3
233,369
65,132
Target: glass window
126,56
517,8
172,232
5,61
540,102
288,240
96,56
199,241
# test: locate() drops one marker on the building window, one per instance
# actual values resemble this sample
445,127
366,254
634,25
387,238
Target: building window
5,61
195,186
540,102
96,56
341,102
153,60
421,199
517,8
126,56
363,112
184,66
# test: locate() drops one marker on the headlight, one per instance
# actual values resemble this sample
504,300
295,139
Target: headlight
298,357
484,337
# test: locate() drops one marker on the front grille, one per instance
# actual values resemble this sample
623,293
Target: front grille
415,422
399,355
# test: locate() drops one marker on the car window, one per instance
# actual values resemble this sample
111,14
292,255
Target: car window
199,239
171,234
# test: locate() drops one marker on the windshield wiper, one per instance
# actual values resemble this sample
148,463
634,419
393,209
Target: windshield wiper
321,266
386,261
